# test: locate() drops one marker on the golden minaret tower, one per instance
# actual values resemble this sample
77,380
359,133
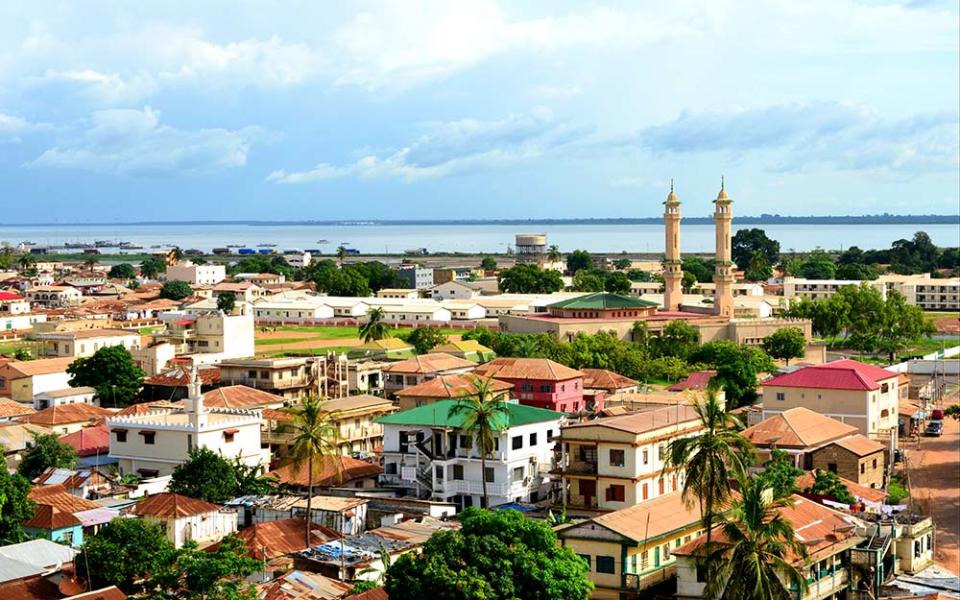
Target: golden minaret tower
723,275
672,269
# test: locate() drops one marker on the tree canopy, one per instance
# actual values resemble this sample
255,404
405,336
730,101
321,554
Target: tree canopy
779,474
827,483
15,506
495,555
530,279
737,368
47,451
425,339
750,245
579,260
488,263
786,343
189,573
122,271
226,302
122,553
112,372
152,266
175,290
205,475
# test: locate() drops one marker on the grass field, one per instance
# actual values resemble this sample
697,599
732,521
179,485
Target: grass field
9,348
288,340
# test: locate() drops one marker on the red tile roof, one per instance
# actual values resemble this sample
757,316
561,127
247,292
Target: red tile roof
638,422
266,541
180,376
325,473
67,413
239,396
860,491
843,374
542,369
10,296
172,505
108,593
452,387
604,379
374,594
12,408
860,445
797,428
698,380
430,363
89,441
58,497
49,517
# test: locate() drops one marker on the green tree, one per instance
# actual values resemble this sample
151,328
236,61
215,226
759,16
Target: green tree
25,264
315,439
374,328
122,271
754,558
737,368
250,480
205,475
623,264
47,451
616,282
341,254
857,271
89,262
152,266
779,474
15,506
425,339
485,415
786,343
494,555
123,553
829,484
758,268
488,263
818,265
953,411
711,458
112,372
699,268
688,282
638,275
678,338
553,253
579,260
193,574
22,353
747,243
587,281
175,290
901,325
226,302
177,253
529,279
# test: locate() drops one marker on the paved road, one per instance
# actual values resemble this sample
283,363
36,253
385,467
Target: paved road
935,482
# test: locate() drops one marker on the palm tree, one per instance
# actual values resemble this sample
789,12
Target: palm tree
177,253
711,457
486,414
553,253
375,328
756,558
315,440
341,254
90,262
25,263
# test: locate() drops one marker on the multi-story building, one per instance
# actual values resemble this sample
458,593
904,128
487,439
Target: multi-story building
417,278
449,387
446,274
453,290
356,420
286,377
540,382
920,290
54,296
229,336
154,442
21,380
427,453
615,462
851,392
81,344
933,294
206,274
629,550
416,370
828,537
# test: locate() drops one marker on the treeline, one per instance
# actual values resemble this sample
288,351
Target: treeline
666,358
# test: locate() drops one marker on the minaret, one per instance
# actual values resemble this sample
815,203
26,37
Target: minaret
195,409
672,269
723,275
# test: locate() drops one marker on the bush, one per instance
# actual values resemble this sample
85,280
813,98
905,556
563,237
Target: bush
175,290
897,491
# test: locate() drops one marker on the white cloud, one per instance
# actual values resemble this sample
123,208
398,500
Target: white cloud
134,142
12,127
103,88
455,147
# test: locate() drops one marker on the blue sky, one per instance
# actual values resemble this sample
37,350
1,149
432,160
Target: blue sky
116,111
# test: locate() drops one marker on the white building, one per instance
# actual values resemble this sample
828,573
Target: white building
54,296
453,290
186,519
13,304
152,444
300,307
426,452
81,344
212,332
298,260
209,274
465,310
933,294
407,313
70,395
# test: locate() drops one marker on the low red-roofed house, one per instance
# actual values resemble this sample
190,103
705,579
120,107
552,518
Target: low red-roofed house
852,392
11,409
186,519
698,380
92,445
68,418
327,473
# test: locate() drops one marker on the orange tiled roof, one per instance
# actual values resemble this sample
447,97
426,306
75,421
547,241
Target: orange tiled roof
641,422
797,428
325,473
172,505
40,366
67,413
860,491
49,517
527,368
860,445
11,408
272,539
180,376
239,396
429,363
667,513
452,387
58,497
604,379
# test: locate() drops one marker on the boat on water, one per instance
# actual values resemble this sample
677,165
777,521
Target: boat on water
323,241
156,246
104,244
78,245
221,250
234,245
266,245
28,243
130,246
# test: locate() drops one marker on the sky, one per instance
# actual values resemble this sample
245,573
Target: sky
116,111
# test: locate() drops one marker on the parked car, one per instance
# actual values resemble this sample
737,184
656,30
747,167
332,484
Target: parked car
897,455
936,414
934,429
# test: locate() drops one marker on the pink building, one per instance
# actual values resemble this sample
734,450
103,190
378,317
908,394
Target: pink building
542,383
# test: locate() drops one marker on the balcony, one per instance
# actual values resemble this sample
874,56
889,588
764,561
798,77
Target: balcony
505,490
579,467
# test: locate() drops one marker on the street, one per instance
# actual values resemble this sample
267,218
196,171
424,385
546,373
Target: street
935,487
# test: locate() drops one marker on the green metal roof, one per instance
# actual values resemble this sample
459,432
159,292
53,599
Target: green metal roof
602,300
438,414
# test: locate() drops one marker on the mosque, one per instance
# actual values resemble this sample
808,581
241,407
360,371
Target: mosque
617,314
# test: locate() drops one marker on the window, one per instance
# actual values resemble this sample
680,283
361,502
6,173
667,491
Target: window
549,435
863,468
646,456
874,463
526,387
661,451
644,560
646,492
546,388
149,437
466,442
264,374
390,468
228,436
617,458
586,558
458,472
488,475
832,467
518,475
605,564
516,442
533,439
701,574
666,551
781,396
616,493
121,434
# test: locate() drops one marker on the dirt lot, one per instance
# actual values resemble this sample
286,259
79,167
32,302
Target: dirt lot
935,486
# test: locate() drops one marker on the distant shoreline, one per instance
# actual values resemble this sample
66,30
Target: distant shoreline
884,219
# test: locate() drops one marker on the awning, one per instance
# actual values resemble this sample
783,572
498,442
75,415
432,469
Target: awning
231,431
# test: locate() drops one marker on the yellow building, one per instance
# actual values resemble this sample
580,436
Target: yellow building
355,418
631,550
615,462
